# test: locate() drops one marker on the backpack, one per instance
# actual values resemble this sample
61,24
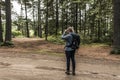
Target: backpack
75,42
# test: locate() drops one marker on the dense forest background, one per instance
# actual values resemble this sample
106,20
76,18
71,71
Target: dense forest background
92,19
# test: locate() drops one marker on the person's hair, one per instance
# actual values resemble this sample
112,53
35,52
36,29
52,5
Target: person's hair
70,29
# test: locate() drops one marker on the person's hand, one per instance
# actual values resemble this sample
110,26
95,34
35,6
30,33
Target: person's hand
65,31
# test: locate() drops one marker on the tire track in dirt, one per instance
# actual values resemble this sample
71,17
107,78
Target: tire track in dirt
29,67
4,65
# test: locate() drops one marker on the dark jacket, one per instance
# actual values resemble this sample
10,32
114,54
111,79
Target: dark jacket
68,38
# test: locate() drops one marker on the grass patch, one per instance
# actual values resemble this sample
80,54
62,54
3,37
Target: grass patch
56,40
7,43
1,43
95,45
115,51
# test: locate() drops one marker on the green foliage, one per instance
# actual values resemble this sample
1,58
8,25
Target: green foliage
86,41
1,43
56,40
31,33
94,20
115,51
8,43
16,33
95,45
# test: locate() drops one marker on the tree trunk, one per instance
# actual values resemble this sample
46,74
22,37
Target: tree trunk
92,27
62,23
85,21
21,16
116,37
27,29
57,18
1,30
80,20
76,18
8,21
39,19
33,26
66,20
98,31
46,25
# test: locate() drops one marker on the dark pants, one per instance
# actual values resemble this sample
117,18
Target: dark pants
70,55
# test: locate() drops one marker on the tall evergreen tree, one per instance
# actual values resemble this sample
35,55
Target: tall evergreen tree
8,36
1,30
27,27
57,18
39,19
46,21
116,38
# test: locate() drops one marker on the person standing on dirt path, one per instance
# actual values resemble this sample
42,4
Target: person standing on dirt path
70,53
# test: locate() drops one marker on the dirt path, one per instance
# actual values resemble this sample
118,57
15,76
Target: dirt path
15,68
20,63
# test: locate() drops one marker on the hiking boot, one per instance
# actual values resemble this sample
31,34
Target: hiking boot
73,74
68,73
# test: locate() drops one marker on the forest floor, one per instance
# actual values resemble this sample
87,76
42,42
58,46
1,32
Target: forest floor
36,59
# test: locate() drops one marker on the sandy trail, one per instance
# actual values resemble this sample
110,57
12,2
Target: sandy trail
15,68
25,62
